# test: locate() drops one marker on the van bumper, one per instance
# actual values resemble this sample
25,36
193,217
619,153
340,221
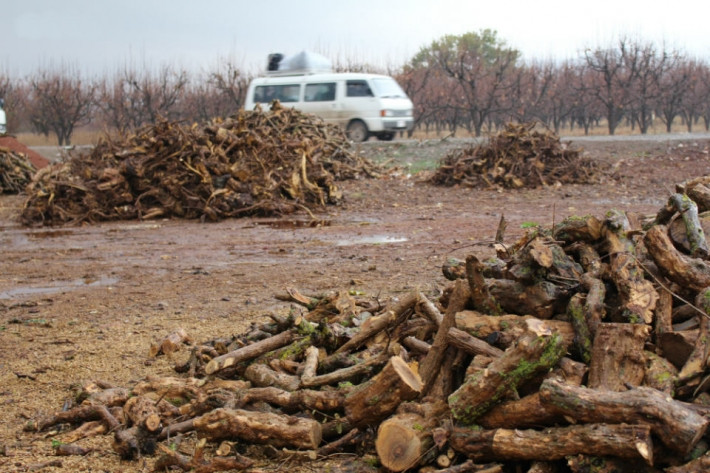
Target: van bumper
397,124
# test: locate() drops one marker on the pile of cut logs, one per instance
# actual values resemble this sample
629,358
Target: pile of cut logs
517,156
16,171
578,348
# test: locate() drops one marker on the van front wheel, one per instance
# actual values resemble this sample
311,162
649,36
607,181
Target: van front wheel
357,131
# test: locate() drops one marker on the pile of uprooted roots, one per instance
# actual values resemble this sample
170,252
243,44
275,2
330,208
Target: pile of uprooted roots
519,156
253,163
15,171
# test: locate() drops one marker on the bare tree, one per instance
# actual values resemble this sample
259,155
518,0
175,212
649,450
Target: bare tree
675,86
60,101
232,84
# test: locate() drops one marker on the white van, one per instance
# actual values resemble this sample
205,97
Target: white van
3,118
363,104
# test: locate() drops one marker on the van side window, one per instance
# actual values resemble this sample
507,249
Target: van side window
324,92
282,93
358,88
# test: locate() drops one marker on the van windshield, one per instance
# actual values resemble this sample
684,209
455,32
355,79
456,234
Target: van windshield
388,88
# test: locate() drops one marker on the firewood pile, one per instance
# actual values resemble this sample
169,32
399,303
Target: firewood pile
518,156
16,171
583,347
253,163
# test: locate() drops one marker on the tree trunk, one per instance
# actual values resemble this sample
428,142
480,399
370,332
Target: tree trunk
687,272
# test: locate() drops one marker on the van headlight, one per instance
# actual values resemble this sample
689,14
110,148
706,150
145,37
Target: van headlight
386,113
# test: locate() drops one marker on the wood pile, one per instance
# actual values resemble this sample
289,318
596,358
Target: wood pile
16,171
517,157
583,347
253,163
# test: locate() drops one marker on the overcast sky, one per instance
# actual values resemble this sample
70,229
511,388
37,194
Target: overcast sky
100,36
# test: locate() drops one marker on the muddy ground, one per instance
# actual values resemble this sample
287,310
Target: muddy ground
85,303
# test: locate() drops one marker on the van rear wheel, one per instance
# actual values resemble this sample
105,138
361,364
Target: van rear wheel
357,131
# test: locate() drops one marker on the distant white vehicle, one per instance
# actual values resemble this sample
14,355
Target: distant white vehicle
363,104
3,118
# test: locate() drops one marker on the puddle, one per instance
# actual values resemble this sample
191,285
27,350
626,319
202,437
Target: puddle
60,286
370,240
290,224
50,234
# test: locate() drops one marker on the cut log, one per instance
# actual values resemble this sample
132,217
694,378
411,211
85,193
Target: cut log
171,343
141,411
364,368
303,399
574,229
376,399
261,376
617,356
404,439
694,233
625,441
508,328
80,414
470,344
697,361
638,296
594,310
540,299
431,363
480,296
377,324
663,316
687,272
533,353
582,342
87,429
677,426
250,352
699,465
660,374
259,427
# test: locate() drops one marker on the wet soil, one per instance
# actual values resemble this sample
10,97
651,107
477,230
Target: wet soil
85,303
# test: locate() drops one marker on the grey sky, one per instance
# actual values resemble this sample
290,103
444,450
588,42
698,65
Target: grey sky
99,36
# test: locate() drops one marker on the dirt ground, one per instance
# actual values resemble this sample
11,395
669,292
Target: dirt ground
85,303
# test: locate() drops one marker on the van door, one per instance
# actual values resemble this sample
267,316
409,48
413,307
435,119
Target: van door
359,102
319,98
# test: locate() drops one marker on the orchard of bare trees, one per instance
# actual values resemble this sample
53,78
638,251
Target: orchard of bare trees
467,84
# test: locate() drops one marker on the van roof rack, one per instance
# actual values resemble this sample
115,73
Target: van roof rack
302,63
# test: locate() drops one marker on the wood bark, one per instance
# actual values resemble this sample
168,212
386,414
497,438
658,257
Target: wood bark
573,229
686,271
533,353
676,426
617,356
540,299
374,400
259,427
470,344
625,441
699,465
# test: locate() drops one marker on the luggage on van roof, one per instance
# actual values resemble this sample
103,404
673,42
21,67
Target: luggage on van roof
302,63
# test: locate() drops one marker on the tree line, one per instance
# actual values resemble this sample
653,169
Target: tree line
471,83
